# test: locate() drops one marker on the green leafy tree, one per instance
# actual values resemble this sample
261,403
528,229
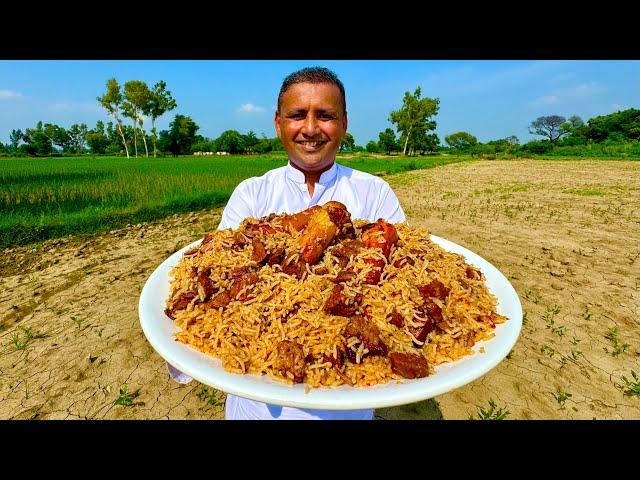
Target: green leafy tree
112,100
552,126
78,136
413,122
461,141
388,142
15,138
372,147
58,135
623,125
37,142
230,141
159,103
348,143
180,137
97,139
250,141
137,96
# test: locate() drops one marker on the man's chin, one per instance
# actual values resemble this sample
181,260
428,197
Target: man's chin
312,164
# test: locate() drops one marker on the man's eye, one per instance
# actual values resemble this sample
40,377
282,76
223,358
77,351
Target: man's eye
297,116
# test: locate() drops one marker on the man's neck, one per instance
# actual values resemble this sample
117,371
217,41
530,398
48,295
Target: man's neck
311,178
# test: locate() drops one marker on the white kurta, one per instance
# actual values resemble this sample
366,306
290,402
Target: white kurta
283,190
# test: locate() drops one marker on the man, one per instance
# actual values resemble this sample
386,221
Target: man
311,120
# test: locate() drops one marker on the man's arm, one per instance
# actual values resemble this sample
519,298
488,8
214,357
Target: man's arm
238,207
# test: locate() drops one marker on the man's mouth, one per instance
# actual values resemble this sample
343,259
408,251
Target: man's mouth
311,146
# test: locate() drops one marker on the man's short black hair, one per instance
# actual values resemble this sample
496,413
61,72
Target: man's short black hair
312,75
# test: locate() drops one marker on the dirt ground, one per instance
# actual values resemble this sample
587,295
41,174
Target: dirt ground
566,234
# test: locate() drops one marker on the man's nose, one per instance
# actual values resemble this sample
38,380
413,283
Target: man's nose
310,125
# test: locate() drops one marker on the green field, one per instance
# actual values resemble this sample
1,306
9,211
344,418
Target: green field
45,198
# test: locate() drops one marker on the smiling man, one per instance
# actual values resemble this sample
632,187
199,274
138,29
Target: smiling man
311,121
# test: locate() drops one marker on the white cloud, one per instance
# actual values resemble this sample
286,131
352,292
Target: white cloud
250,108
9,95
546,100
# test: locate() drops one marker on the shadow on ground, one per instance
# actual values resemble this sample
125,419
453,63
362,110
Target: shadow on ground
425,410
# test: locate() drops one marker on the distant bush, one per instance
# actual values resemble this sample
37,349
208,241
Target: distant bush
537,147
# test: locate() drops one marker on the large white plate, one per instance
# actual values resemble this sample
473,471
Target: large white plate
159,330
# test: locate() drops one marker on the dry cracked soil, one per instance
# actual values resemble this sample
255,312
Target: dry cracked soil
565,233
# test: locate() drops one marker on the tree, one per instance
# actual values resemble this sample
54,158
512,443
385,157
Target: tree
250,141
461,141
78,134
348,142
512,140
551,126
180,136
372,147
112,102
159,102
412,119
624,125
37,143
137,96
15,138
58,135
388,142
97,140
230,141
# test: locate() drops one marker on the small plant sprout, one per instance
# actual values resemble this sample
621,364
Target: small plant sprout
491,413
561,397
126,399
631,388
208,396
618,348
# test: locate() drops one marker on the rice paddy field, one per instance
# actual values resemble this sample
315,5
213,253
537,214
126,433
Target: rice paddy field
45,198
565,233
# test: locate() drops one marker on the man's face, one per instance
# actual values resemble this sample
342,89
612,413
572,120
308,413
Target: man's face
311,123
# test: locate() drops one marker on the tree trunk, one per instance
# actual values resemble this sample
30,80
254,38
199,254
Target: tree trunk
153,130
135,137
124,140
144,139
404,151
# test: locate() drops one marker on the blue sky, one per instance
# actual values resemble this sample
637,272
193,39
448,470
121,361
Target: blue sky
489,99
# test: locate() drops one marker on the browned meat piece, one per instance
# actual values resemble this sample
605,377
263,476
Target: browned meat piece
321,270
472,273
344,276
240,240
206,242
275,257
338,304
298,221
317,236
434,289
239,284
396,319
296,268
401,262
336,362
347,248
259,252
179,303
367,333
381,235
207,285
291,359
191,252
420,333
222,299
341,217
433,310
409,365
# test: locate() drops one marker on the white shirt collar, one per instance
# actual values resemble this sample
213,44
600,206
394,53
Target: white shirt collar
326,177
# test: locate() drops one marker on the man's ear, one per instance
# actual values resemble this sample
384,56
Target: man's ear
276,122
345,121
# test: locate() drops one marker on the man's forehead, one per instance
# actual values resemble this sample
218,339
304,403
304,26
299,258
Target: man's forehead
326,96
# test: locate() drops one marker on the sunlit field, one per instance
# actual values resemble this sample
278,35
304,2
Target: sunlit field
51,197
